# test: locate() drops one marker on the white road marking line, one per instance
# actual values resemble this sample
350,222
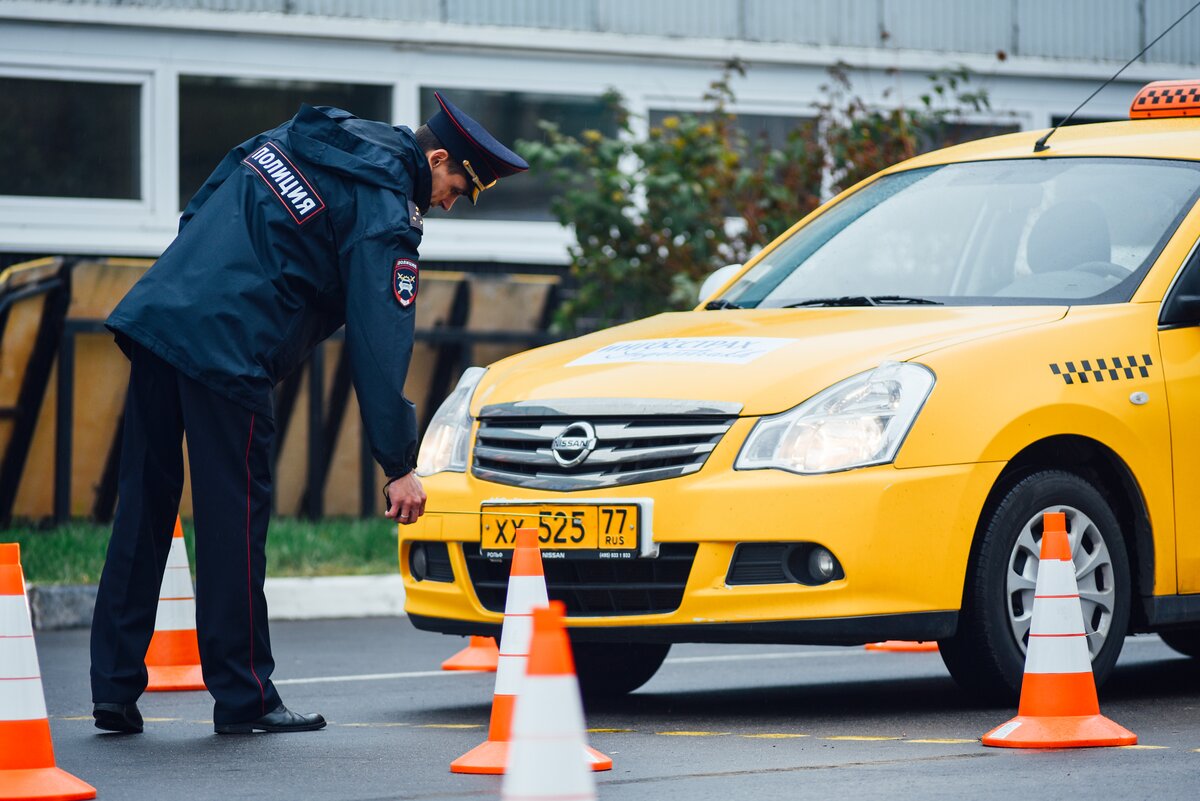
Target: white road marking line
416,674
691,660
682,660
686,660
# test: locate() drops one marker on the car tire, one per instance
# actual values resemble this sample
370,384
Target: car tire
1185,641
613,669
986,656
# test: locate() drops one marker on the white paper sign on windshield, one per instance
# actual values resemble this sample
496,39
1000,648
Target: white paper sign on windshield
703,350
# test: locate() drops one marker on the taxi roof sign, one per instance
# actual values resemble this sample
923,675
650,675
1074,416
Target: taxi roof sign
1167,99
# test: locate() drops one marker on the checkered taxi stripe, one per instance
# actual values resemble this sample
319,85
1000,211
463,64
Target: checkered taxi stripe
1177,96
1167,99
1100,370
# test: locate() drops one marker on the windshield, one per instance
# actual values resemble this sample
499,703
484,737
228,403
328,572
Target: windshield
1077,230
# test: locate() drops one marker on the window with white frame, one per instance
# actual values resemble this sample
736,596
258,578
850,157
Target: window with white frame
218,113
947,133
771,130
70,139
512,116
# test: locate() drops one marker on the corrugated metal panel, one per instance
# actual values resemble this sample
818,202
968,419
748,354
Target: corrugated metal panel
276,6
560,14
785,21
1180,46
847,23
196,5
1109,30
710,19
1083,29
411,10
854,24
956,26
354,9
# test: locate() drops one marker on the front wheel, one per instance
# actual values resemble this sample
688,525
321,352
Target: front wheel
612,669
986,656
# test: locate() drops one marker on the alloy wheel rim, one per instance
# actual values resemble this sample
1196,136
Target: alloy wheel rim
1093,574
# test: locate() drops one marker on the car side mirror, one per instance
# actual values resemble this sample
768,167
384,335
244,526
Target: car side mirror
1182,310
716,279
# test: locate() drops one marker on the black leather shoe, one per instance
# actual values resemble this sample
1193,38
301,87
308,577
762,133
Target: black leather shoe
278,720
123,718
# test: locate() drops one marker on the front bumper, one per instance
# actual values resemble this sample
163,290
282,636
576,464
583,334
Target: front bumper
920,626
903,537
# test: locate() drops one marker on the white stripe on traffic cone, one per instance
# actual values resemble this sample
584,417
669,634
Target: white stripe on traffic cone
173,658
27,767
549,757
526,590
1059,707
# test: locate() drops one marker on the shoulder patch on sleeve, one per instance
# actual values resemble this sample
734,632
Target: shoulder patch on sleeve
405,278
286,182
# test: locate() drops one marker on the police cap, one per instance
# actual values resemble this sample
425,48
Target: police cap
482,156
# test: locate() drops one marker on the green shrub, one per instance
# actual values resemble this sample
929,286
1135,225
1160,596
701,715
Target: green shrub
650,215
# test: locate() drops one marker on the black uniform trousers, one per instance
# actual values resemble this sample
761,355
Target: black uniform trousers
229,450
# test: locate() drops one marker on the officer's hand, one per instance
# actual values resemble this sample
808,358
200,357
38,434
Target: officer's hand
406,499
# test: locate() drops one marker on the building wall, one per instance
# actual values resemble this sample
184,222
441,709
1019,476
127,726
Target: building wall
660,55
1069,29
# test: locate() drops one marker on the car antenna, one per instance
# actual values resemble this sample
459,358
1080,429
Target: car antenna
1041,145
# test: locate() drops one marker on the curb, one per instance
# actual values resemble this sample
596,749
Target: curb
61,606
57,606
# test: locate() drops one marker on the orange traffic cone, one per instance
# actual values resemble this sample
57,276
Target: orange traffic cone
526,590
904,646
27,768
548,758
173,659
1059,707
481,653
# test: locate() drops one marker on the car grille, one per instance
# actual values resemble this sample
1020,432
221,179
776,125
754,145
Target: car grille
595,587
635,441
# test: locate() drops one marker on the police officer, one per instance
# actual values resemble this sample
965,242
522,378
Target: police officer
300,230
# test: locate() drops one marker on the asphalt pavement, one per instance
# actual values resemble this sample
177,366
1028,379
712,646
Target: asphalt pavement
717,722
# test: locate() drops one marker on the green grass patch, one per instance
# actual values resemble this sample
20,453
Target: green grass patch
331,547
74,553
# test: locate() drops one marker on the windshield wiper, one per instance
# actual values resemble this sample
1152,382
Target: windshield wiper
844,300
905,300
864,300
721,303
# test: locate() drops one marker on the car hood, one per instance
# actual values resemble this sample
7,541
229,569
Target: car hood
766,360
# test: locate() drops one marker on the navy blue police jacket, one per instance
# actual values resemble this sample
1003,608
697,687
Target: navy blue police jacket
299,230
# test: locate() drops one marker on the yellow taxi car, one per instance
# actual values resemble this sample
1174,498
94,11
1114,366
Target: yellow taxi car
856,437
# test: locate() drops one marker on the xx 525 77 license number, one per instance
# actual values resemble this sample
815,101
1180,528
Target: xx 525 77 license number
595,531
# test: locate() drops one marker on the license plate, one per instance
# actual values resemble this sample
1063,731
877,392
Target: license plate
587,531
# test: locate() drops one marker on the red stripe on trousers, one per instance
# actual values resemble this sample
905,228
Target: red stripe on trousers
249,579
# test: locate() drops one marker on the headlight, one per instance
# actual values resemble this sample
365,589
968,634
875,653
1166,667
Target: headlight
448,438
857,422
